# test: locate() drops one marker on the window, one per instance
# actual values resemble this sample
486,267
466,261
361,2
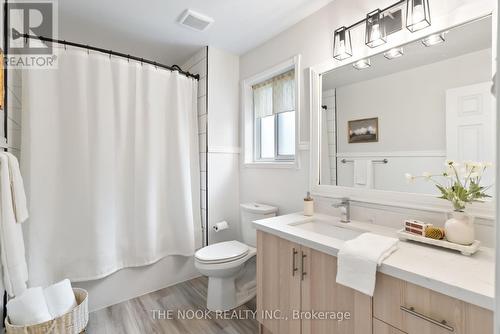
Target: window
274,118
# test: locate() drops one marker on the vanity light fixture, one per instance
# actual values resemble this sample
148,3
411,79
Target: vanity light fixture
375,29
383,22
418,15
394,53
433,40
342,47
362,64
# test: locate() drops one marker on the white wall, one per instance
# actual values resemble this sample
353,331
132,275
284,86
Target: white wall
408,103
313,39
223,144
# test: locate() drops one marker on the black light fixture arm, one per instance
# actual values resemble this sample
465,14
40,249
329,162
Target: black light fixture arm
363,20
177,68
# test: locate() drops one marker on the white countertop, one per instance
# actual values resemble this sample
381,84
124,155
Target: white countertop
468,278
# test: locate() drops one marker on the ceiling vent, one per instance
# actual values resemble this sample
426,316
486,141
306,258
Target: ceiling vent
195,21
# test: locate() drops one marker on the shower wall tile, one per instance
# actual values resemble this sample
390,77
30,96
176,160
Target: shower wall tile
202,124
202,105
200,68
203,142
203,161
197,64
196,58
204,216
13,134
203,199
203,180
202,87
14,110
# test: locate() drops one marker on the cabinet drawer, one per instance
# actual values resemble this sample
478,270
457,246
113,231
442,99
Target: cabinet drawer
417,310
380,327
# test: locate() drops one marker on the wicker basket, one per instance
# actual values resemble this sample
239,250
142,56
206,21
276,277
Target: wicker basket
73,322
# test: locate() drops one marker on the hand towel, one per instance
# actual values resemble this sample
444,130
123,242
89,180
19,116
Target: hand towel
357,260
60,298
12,253
363,173
17,187
29,308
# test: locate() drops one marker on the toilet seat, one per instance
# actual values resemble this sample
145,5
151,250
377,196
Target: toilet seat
222,252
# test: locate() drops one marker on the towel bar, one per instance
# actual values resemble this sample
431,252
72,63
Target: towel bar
382,161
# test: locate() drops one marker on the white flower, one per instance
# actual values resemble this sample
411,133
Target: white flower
488,164
427,175
478,165
410,178
470,165
450,162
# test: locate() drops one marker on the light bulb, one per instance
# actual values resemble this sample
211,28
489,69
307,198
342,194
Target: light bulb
434,40
362,64
342,47
375,35
394,53
418,14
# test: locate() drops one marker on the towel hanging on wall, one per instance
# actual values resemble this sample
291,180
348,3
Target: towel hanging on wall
12,252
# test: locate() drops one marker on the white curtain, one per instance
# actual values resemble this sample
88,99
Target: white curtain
110,160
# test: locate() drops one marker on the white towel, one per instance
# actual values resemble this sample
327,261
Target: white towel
29,308
14,267
357,260
17,187
60,298
363,173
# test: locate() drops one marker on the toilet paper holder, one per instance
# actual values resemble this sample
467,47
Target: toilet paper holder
220,226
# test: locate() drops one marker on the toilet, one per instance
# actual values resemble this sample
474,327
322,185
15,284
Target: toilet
230,265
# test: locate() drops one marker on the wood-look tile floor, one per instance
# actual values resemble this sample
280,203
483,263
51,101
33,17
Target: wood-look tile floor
137,316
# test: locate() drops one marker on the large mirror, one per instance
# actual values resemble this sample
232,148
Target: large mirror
408,110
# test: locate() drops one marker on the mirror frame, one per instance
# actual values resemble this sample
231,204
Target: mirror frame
416,201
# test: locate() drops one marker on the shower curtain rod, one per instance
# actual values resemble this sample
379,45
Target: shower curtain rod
177,68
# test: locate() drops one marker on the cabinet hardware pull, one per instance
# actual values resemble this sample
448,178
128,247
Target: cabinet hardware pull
441,324
294,255
304,273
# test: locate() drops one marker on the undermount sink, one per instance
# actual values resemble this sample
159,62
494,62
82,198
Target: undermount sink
327,228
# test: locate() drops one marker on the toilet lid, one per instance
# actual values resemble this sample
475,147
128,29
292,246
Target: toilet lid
227,250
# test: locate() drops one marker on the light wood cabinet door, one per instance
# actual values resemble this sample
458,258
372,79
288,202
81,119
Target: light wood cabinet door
320,292
278,283
417,310
380,327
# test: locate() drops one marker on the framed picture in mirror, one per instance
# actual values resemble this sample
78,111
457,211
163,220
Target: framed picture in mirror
363,130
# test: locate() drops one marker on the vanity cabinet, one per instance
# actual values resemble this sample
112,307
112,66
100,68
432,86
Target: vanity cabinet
294,280
416,310
380,327
299,282
278,284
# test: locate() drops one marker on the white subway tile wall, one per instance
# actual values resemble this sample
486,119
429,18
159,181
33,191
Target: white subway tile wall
197,64
14,108
328,100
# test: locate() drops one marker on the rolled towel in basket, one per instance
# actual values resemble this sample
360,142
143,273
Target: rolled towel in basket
60,298
29,308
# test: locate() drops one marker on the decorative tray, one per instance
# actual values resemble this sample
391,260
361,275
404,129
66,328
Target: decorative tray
464,249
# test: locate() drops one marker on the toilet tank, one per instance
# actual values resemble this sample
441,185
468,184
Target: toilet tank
251,212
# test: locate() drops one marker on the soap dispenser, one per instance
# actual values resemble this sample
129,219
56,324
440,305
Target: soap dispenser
308,205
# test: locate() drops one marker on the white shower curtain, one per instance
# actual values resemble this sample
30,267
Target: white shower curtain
110,160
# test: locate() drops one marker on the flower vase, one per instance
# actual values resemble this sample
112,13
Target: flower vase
459,228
